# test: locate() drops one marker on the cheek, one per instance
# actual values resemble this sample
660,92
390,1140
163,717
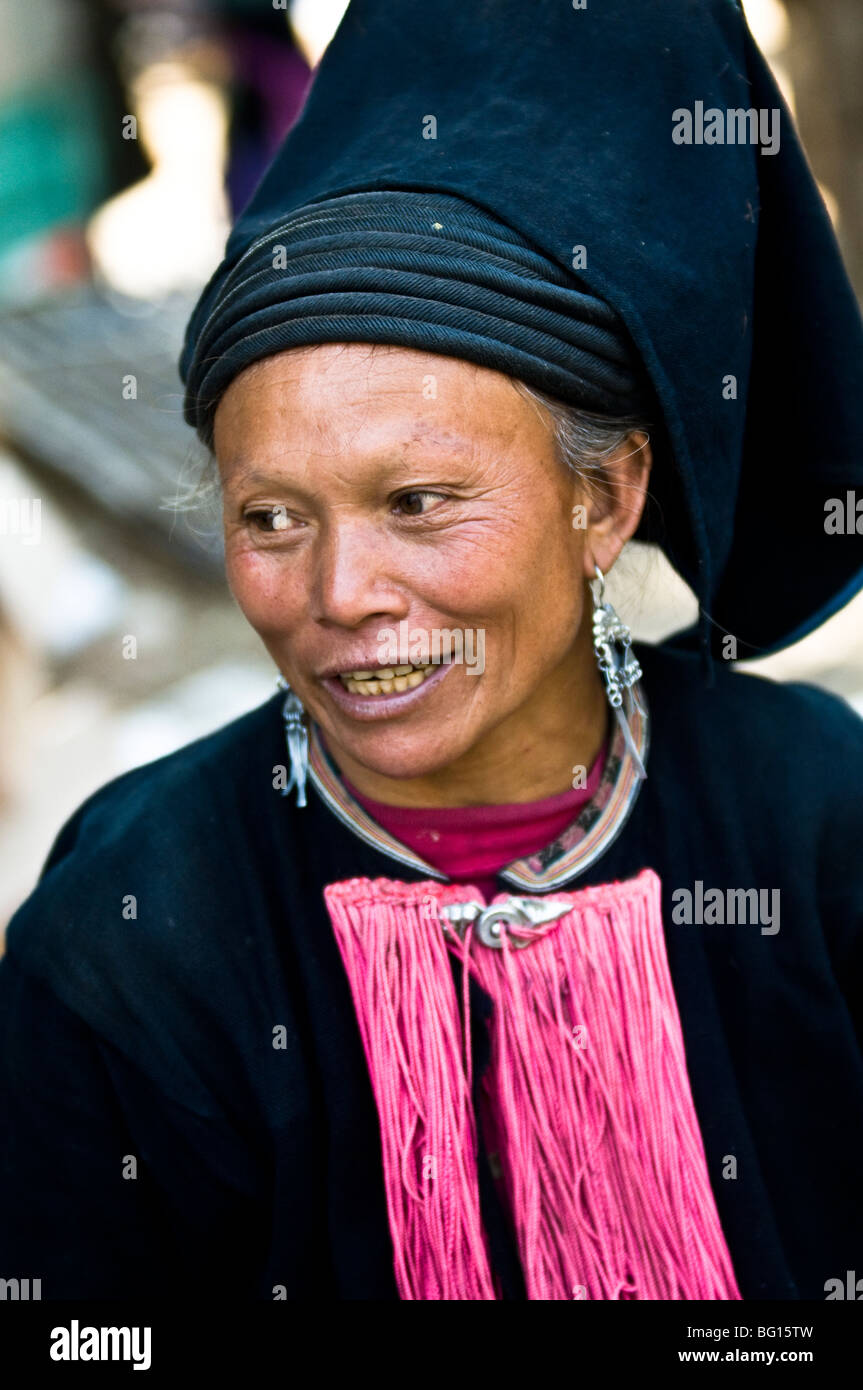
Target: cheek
544,609
526,575
267,599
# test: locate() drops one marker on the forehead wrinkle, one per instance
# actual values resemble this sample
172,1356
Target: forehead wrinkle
370,420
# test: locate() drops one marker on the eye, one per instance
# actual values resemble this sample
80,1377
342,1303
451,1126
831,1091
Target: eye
412,503
270,520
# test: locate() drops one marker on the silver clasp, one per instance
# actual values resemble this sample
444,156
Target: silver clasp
491,921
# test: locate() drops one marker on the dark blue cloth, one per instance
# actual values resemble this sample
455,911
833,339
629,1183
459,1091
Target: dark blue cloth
257,1167
720,260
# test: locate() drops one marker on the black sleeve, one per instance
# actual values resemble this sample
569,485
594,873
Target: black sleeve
840,860
68,1215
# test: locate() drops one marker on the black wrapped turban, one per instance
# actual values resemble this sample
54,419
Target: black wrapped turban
417,270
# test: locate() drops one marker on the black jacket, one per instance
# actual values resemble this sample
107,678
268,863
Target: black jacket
150,1037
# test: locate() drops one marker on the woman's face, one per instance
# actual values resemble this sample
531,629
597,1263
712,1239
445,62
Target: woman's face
386,508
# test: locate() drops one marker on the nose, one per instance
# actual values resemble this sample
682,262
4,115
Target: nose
354,577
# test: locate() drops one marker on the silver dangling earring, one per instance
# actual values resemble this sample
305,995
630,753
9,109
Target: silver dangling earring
617,663
297,737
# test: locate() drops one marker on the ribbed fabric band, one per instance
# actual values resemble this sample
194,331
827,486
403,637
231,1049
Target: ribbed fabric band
421,270
587,1087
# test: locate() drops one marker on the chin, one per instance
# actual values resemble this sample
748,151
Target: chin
402,758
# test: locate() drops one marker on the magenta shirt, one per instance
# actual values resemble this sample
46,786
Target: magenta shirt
471,843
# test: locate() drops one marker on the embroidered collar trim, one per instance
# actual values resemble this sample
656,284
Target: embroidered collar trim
597,825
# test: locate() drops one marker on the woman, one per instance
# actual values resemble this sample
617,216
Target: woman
497,958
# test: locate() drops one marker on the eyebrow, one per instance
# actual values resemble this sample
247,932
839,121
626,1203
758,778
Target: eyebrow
252,475
255,477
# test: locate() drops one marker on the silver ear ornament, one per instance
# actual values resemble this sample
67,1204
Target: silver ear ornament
617,663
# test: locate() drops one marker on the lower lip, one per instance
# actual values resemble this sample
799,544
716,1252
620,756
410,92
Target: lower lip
371,707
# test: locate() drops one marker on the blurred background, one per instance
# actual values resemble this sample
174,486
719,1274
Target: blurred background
131,133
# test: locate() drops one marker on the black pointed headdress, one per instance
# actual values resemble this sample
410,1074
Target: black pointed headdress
611,203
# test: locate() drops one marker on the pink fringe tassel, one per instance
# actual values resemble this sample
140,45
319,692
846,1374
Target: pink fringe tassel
587,1096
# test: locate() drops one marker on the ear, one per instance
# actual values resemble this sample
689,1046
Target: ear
615,503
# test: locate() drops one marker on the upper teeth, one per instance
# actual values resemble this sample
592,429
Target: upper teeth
384,680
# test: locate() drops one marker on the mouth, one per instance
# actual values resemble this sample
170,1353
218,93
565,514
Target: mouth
380,692
387,680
